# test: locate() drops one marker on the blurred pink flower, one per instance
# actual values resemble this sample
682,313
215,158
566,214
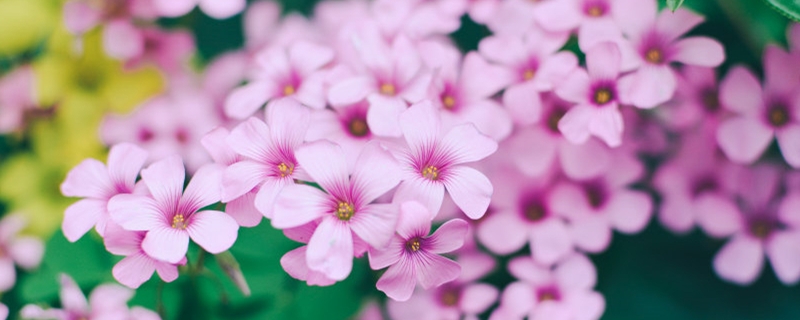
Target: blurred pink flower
218,9
24,251
696,101
17,96
434,160
417,19
345,125
345,208
97,183
566,15
3,311
171,215
137,267
412,255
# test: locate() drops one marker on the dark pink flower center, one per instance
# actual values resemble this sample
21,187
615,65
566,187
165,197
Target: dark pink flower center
548,294
704,184
344,210
554,117
602,95
144,134
595,8
762,228
596,193
414,244
450,295
778,114
710,99
533,208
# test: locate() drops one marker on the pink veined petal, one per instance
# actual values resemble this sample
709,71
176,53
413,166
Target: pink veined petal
164,179
672,25
121,242
429,193
489,117
575,123
307,57
72,299
554,70
241,177
81,216
783,250
699,51
134,270
648,87
125,160
592,234
27,252
477,298
134,212
584,161
518,299
8,275
634,16
420,125
244,210
383,257
470,190
122,40
288,121
524,103
215,144
789,142
294,262
558,16
251,139
502,234
350,91
79,17
375,224
603,61
166,271
325,162
464,144
383,115
88,179
608,125
414,220
576,273
330,250
204,189
399,280
481,79
629,210
535,150
740,91
215,231
243,101
575,87
740,261
267,196
166,244
174,8
448,238
550,241
434,270
298,205
743,139
375,173
222,9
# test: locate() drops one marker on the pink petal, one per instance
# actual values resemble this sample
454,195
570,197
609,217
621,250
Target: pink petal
677,214
477,298
174,8
251,139
575,87
558,16
743,139
524,103
134,212
789,209
350,91
518,299
204,189
375,173
215,144
575,123
3,311
268,195
244,210
675,24
489,117
629,210
479,79
470,190
603,61
27,252
398,281
383,257
325,162
433,270
166,244
330,249
502,234
591,234
166,271
550,241
597,31
648,87
506,50
793,36
241,177
164,179
89,179
607,125
465,144
429,193
740,261
215,231
122,40
535,150
308,57
134,270
81,216
124,162
383,115
222,9
420,125
79,17
311,92
122,242
375,224
298,205
789,142
587,305
449,237
243,101
783,250
699,51
288,121
554,70
414,220
576,273
584,161
294,262
72,299
740,91
8,275
634,16
781,70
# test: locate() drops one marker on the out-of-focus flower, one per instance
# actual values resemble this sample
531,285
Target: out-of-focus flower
696,100
413,256
219,9
24,251
17,97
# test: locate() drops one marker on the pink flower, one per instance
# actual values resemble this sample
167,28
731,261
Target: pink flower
389,78
80,16
565,15
17,96
25,251
762,224
345,125
594,206
417,19
345,208
412,255
218,9
169,50
108,301
597,96
463,89
434,161
171,215
481,11
97,183
268,161
563,292
3,311
137,267
762,113
534,64
283,72
658,46
696,100
294,262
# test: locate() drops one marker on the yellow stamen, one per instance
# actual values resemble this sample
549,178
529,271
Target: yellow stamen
595,11
358,127
547,296
178,222
430,173
449,102
285,169
388,89
778,116
654,56
289,90
413,245
528,74
602,96
345,211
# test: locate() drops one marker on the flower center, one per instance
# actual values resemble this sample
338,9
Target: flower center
345,211
179,222
413,245
534,212
388,89
710,98
450,296
430,172
603,96
654,56
595,10
528,74
449,102
778,115
289,90
285,169
553,119
358,127
595,193
761,229
548,294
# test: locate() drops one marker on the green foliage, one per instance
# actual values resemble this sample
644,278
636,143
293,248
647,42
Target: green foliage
674,4
789,8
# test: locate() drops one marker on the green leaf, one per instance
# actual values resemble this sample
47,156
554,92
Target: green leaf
674,4
789,8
